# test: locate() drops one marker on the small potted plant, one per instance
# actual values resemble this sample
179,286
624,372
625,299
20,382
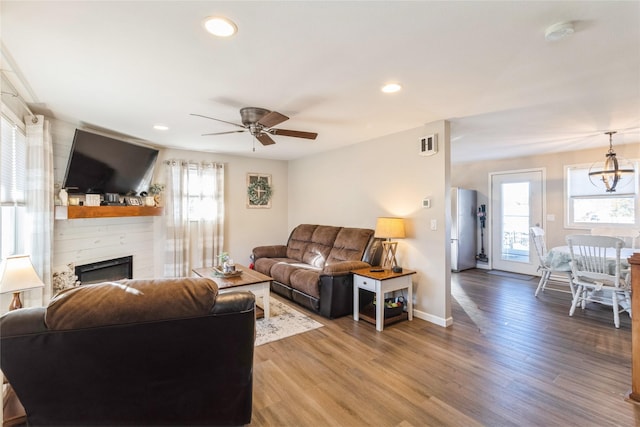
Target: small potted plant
155,190
226,262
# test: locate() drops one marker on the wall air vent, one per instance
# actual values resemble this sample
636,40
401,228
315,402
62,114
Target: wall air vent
429,145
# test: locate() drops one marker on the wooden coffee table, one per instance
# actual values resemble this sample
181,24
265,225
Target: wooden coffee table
250,280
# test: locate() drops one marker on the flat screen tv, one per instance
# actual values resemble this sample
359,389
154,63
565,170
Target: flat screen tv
99,164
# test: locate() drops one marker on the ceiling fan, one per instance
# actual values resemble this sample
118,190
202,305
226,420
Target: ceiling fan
259,122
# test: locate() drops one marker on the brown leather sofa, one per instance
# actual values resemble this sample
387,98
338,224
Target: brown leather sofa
314,267
134,352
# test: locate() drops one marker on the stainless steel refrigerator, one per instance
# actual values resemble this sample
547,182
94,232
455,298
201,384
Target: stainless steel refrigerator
463,229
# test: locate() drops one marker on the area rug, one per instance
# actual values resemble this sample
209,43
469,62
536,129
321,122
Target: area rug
284,321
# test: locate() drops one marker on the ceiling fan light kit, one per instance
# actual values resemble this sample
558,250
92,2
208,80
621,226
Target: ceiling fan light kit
259,122
613,172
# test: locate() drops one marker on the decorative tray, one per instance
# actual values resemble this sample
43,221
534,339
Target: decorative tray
219,273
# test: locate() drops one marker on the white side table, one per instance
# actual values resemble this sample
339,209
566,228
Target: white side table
381,283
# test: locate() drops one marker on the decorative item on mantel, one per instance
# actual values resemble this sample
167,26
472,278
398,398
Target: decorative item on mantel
156,190
65,279
64,197
259,190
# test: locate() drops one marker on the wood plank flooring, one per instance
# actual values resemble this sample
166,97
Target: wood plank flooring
510,359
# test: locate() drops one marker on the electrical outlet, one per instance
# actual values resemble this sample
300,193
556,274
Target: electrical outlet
434,224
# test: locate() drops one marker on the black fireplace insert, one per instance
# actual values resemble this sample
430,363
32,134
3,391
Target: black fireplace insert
104,271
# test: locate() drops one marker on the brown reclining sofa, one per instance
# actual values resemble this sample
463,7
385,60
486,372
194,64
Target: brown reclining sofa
314,267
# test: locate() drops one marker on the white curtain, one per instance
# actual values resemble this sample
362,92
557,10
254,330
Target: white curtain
39,197
194,211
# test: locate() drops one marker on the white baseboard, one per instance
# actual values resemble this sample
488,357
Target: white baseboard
433,319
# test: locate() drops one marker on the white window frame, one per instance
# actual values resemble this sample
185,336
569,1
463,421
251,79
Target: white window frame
630,191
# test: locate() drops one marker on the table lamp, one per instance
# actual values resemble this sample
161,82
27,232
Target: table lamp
17,274
389,228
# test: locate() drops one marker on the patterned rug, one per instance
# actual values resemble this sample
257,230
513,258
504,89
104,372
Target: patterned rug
284,322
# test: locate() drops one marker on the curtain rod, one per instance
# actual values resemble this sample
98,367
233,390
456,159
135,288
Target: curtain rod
34,118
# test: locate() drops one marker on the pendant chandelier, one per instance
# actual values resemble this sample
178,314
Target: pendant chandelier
611,173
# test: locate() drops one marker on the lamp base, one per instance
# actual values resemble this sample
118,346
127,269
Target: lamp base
389,254
15,302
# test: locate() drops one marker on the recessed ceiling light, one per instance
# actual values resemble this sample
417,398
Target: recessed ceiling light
391,88
219,26
558,31
160,127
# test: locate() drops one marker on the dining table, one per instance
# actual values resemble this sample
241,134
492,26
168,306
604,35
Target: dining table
559,258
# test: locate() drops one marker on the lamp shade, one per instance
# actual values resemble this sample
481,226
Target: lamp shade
18,274
390,228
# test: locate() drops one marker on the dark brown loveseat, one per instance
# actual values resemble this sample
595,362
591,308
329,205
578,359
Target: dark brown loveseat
314,267
134,352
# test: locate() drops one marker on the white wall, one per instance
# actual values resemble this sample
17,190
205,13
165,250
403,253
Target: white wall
82,241
386,177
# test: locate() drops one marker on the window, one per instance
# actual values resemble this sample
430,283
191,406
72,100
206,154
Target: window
201,194
588,205
13,158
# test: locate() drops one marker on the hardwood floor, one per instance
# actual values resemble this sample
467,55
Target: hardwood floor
509,359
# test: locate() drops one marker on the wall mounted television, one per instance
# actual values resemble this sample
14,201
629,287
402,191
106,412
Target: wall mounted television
100,164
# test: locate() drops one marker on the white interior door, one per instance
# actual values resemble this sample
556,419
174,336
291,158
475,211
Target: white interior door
516,205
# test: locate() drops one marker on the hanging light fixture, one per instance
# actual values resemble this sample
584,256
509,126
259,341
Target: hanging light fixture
611,173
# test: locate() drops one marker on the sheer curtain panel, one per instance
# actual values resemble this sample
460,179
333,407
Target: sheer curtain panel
194,207
39,198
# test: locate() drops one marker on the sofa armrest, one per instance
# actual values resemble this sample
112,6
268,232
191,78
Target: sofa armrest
234,302
343,268
23,322
273,251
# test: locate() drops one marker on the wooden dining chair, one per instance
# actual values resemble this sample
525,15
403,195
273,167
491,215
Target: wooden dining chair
597,274
545,268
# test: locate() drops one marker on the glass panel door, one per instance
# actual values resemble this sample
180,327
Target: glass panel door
516,205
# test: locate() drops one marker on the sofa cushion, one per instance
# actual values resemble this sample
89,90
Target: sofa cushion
306,281
319,247
349,245
130,301
282,271
298,241
264,265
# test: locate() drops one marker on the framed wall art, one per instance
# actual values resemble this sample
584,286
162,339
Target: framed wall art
259,191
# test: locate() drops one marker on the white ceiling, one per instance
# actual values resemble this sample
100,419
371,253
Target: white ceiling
485,66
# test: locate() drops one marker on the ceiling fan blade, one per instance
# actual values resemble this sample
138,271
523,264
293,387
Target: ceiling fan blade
293,133
218,120
265,139
271,119
224,133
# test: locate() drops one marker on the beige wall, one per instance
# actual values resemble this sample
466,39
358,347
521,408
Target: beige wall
475,176
386,177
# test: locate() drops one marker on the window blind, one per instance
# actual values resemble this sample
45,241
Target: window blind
579,184
13,159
